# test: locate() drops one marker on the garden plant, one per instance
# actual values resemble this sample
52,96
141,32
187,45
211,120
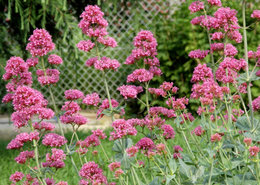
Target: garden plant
217,145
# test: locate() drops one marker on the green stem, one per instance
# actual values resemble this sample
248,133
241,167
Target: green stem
211,171
211,54
104,151
108,96
147,97
246,59
36,154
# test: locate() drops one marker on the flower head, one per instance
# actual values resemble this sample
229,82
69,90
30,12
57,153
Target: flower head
40,43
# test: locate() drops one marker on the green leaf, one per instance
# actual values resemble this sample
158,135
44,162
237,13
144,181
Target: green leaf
243,123
120,145
156,181
185,169
173,165
169,179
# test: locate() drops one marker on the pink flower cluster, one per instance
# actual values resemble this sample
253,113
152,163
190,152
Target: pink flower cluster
256,14
209,90
73,94
186,117
256,104
216,137
85,45
145,46
168,131
91,99
196,6
23,156
202,73
145,144
105,105
177,104
131,151
17,71
92,23
53,140
157,111
31,62
152,122
140,75
55,159
50,76
217,36
46,126
130,91
115,167
198,131
122,128
72,115
20,139
54,59
40,43
228,69
107,41
28,102
199,54
215,2
16,177
104,63
177,149
91,173
254,150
